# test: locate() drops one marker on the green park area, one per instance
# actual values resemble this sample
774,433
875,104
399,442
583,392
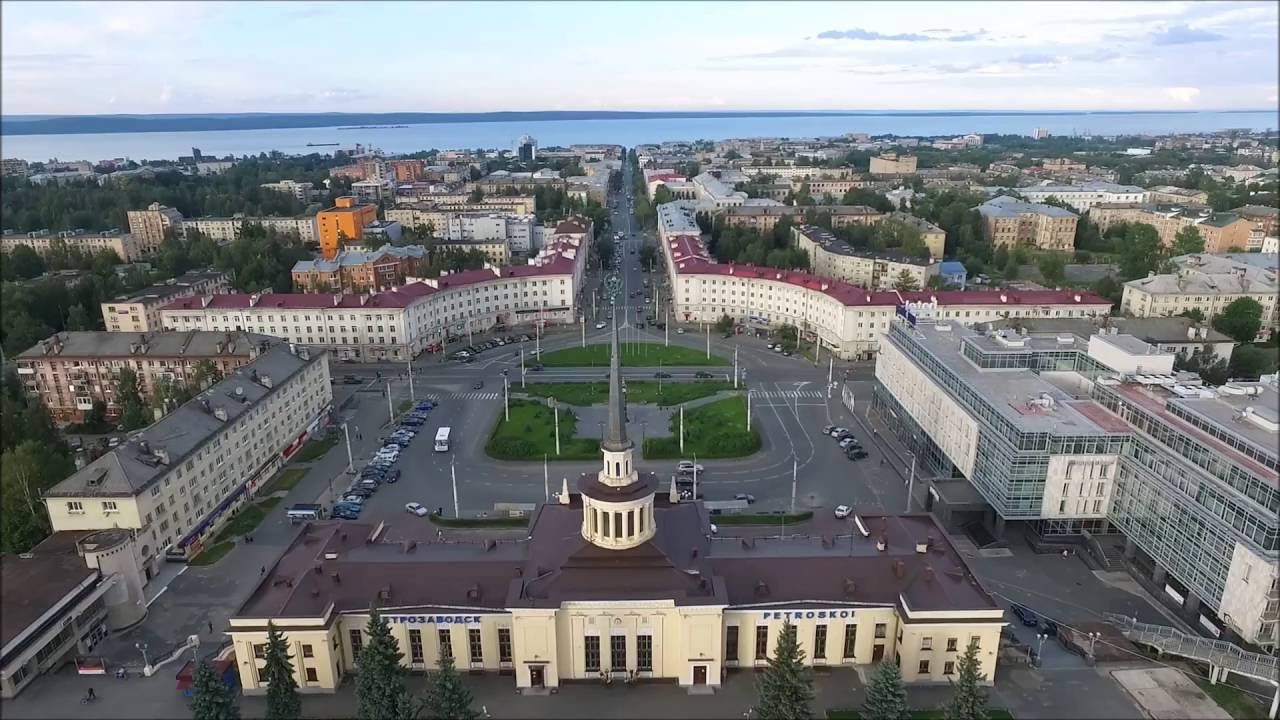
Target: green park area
764,518
530,435
640,392
715,430
315,449
633,355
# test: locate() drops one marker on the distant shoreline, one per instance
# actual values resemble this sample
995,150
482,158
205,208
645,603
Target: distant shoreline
14,125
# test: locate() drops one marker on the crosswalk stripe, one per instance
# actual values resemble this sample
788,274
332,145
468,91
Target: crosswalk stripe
790,394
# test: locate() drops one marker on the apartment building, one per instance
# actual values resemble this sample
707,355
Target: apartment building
821,188
42,242
1063,166
149,227
140,311
496,252
893,164
354,271
512,231
1007,221
1085,196
1265,219
502,181
1173,195
404,321
1221,232
764,217
69,371
14,167
1208,284
302,192
933,237
344,222
175,483
1066,434
831,257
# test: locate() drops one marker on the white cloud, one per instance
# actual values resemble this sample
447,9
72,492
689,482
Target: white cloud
1184,95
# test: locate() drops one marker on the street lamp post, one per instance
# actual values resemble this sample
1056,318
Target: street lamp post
666,329
546,481
146,664
911,481
391,411
682,429
522,373
555,411
1040,648
351,467
748,409
735,367
584,332
795,467
506,398
708,341
453,477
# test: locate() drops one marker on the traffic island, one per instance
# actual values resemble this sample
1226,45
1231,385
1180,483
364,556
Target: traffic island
633,355
530,434
715,430
639,392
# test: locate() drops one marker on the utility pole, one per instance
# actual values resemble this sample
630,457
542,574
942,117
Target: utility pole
748,409
351,466
795,466
453,474
555,410
469,342
735,367
666,329
506,398
546,481
681,429
831,368
584,332
412,397
911,480
708,341
522,385
537,336
695,477
391,412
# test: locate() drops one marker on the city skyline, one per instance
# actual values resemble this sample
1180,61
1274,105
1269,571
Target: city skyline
126,58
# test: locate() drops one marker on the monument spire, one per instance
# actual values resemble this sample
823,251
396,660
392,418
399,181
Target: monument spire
616,440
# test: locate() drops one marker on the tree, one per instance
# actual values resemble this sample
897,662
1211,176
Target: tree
26,471
133,414
1241,320
447,697
662,195
724,324
968,699
380,687
212,699
78,318
476,195
786,687
1195,314
886,696
906,281
1187,241
23,263
1141,252
283,702
1053,269
1250,361
1109,288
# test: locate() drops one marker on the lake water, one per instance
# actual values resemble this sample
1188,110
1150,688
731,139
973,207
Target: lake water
169,145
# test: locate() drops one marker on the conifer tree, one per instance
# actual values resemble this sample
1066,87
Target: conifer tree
886,697
968,699
786,688
380,687
447,697
283,702
212,699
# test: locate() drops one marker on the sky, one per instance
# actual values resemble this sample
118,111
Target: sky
193,57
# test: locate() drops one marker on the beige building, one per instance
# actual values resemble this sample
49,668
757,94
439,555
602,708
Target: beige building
764,217
150,226
831,257
1174,195
176,482
496,252
70,371
1221,232
1007,221
933,237
140,311
124,245
1206,283
893,164
618,581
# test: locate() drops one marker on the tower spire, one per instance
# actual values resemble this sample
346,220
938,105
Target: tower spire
616,440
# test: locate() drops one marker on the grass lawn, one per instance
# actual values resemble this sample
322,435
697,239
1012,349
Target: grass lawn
212,554
934,714
246,520
715,430
284,481
633,355
505,522
530,434
315,449
403,407
640,392
1237,704
762,518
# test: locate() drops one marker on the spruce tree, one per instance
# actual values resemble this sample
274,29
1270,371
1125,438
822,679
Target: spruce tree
447,697
786,687
212,699
968,699
283,702
380,688
886,697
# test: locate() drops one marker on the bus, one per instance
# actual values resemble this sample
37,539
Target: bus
442,440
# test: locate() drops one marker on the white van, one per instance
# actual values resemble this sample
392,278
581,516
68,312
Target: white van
305,512
442,440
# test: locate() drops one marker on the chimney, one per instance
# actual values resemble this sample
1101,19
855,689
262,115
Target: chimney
265,379
162,454
220,413
1192,332
882,543
922,546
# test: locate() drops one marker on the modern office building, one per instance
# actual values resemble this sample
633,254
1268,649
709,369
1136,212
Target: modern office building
70,371
621,580
526,149
176,482
139,311
1096,436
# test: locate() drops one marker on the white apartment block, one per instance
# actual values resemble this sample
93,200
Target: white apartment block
516,231
176,482
1085,195
831,257
301,191
43,243
228,229
140,311
797,172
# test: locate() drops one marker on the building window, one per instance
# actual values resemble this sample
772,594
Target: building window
731,643
446,643
474,646
75,507
882,630
850,640
109,506
307,651
260,651
952,643
762,642
415,646
312,675
924,667
644,653
926,643
504,645
357,644
820,642
974,641
591,653
948,668
618,652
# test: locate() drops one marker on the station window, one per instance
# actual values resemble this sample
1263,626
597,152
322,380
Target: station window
644,653
618,652
357,644
850,640
591,653
819,642
762,642
504,645
415,646
731,643
474,646
446,642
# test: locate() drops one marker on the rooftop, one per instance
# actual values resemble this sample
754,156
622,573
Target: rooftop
1153,330
31,586
1009,207
193,343
170,288
1214,274
832,244
1095,187
350,258
150,453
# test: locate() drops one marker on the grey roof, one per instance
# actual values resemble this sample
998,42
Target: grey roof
1153,330
1094,186
349,258
191,343
836,246
135,465
918,223
173,287
1008,207
1214,274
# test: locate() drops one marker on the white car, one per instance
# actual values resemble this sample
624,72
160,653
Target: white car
353,499
601,325
415,509
686,467
679,331
843,511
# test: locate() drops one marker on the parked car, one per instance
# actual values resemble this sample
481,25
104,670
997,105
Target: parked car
826,429
855,453
679,331
354,499
350,380
415,509
601,325
537,368
835,432
1028,618
393,476
360,492
1049,627
703,375
745,496
843,511
847,442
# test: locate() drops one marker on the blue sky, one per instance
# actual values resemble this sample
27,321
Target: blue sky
191,57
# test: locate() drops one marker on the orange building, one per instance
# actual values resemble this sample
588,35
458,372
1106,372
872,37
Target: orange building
408,170
346,219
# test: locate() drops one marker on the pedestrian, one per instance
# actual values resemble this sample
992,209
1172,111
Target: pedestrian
262,571
91,695
210,627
